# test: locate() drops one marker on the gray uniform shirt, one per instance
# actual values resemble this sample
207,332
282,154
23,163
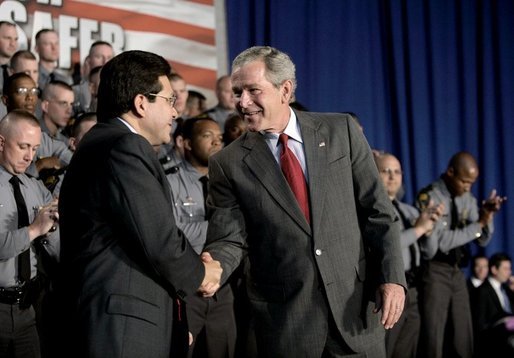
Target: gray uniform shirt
443,238
220,115
51,147
188,204
408,235
14,241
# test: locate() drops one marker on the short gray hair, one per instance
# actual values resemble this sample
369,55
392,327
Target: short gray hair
279,66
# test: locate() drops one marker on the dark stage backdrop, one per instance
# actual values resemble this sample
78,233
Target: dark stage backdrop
426,78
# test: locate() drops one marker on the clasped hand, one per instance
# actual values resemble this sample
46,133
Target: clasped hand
212,280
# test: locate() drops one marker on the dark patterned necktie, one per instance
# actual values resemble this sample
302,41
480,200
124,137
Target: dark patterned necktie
23,221
294,175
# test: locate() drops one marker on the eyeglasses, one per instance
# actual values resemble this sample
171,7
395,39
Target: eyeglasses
24,91
171,100
390,171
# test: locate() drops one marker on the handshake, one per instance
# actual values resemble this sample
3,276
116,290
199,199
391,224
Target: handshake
212,280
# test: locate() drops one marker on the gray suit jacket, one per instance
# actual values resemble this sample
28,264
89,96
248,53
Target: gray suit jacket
300,273
122,255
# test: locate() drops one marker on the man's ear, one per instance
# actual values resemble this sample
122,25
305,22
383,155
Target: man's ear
5,99
186,144
450,172
71,144
286,90
140,105
44,106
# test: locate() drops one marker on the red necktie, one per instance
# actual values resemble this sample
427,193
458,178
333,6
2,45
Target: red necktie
294,175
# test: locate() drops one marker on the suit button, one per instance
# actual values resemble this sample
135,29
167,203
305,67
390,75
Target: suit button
318,252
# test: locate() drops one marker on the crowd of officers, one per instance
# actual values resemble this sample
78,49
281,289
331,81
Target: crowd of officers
49,111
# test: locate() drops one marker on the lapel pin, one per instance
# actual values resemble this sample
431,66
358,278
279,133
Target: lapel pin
321,144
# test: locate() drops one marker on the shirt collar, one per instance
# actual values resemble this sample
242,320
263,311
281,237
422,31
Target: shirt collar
5,176
292,129
128,125
495,283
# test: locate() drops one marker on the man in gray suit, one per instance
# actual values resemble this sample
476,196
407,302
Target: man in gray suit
323,261
126,266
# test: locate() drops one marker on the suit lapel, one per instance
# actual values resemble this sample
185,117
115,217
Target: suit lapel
262,164
315,147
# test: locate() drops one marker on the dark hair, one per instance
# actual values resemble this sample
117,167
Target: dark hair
124,77
497,259
52,84
22,54
99,43
7,23
9,82
478,257
84,117
43,31
188,127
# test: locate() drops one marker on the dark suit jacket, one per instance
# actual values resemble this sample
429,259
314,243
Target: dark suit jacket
122,254
301,273
487,308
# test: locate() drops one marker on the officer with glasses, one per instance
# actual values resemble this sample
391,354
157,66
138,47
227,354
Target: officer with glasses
21,92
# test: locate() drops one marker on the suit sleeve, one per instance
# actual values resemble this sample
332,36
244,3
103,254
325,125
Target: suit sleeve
379,224
226,234
139,197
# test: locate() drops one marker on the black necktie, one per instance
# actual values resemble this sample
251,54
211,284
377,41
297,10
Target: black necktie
23,221
5,74
460,253
205,190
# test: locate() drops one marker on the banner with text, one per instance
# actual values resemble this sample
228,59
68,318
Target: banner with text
183,32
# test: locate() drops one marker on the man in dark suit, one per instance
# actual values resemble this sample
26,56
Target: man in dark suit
324,253
493,302
126,266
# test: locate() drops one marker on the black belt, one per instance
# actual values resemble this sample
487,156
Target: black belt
22,295
458,256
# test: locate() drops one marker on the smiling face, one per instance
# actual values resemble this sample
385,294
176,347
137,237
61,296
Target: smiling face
263,105
158,115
